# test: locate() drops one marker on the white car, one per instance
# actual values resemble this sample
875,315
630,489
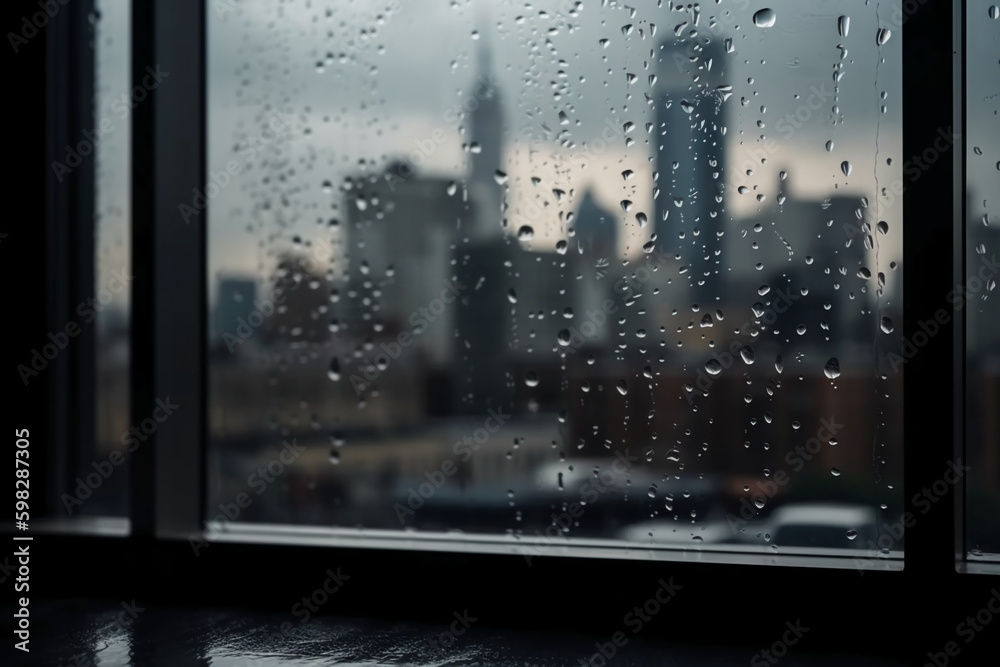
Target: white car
823,526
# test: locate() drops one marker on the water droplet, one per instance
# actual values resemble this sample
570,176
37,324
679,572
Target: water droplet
843,25
334,372
512,295
562,247
883,36
852,534
834,472
622,387
886,325
627,29
994,12
845,167
713,367
334,457
764,18
883,226
531,379
500,177
746,352
564,337
832,368
525,233
759,502
641,219
778,364
687,106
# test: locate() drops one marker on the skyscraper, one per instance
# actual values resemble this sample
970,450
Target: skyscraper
690,159
485,145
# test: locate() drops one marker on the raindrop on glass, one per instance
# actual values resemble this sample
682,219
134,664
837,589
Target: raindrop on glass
765,18
843,25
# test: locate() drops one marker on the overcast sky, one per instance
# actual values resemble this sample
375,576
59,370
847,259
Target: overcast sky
407,62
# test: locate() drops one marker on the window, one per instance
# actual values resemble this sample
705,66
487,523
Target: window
369,240
982,219
612,273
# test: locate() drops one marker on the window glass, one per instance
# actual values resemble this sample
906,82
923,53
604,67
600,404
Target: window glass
576,271
107,311
982,205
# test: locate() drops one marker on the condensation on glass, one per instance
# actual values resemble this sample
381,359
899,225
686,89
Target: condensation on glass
578,273
979,298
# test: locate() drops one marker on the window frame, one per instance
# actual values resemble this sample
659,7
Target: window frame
559,592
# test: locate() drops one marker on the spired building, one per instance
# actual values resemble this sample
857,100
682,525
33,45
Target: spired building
485,145
483,256
690,160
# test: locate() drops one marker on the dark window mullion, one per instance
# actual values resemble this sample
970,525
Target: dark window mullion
168,300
